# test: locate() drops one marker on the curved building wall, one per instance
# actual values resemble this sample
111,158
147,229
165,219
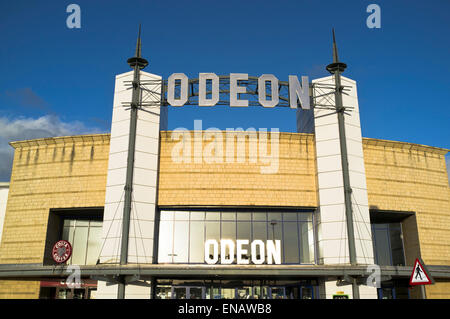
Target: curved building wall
61,172
67,172
404,177
4,189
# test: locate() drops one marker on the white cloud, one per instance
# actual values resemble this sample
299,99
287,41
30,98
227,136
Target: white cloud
30,128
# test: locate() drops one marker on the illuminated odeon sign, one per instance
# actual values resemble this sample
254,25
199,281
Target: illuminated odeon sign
210,88
260,252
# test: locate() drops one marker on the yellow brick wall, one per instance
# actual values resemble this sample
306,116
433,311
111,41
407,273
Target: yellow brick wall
14,289
71,172
48,173
235,183
440,290
409,177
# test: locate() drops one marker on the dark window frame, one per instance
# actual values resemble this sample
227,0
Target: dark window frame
55,225
265,210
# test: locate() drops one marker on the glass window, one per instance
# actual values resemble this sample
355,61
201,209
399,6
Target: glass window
228,293
94,245
95,223
79,246
182,238
81,223
212,231
68,233
259,217
278,293
304,217
244,230
212,215
261,292
195,215
311,241
228,230
85,238
244,293
307,293
388,244
212,292
180,242
179,215
163,292
196,242
165,242
166,215
305,231
290,243
381,244
274,230
259,231
69,222
274,216
228,216
396,239
179,292
290,217
244,216
195,293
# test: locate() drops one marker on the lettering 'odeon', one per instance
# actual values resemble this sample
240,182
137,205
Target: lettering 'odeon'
153,213
296,91
227,252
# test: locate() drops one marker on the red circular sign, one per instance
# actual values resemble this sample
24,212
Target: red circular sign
62,251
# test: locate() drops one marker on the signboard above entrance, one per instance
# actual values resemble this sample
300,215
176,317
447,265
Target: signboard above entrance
210,88
258,251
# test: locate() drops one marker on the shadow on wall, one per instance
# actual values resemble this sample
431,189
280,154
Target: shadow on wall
447,162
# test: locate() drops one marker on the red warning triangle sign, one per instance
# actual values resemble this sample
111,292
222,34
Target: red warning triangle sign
420,274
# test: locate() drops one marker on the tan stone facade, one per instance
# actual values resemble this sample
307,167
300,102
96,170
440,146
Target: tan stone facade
71,172
241,184
48,173
410,177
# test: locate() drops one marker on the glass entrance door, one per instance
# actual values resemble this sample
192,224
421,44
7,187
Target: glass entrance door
306,292
244,293
278,292
228,293
179,293
196,292
260,292
296,292
236,289
188,292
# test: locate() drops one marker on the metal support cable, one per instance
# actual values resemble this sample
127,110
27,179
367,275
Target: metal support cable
140,230
109,228
362,217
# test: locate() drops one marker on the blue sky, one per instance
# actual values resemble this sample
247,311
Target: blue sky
57,80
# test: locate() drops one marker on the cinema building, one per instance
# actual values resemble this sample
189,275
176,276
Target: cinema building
212,218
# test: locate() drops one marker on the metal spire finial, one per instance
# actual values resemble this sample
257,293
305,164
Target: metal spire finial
138,60
336,65
138,44
335,52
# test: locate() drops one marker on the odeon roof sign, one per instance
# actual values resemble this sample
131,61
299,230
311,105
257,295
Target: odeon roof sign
267,87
